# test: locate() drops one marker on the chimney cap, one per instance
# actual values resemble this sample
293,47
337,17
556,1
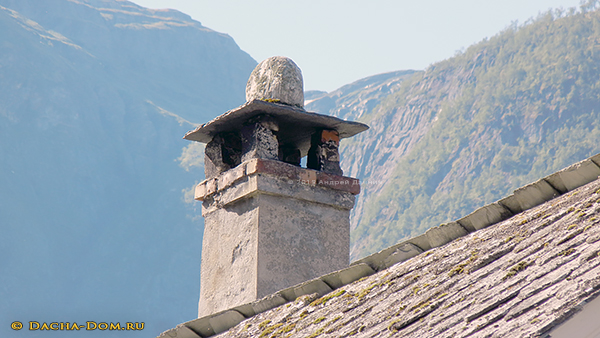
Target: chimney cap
296,125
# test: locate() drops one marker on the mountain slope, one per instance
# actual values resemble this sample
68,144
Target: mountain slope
474,127
95,97
358,98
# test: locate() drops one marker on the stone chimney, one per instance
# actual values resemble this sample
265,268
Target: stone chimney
269,223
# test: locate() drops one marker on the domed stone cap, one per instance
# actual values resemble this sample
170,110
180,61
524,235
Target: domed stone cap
276,79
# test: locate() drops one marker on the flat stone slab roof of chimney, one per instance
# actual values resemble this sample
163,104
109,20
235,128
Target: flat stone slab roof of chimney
296,125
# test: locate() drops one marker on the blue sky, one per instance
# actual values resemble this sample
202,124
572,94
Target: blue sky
336,42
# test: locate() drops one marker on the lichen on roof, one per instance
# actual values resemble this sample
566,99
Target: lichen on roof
517,267
512,279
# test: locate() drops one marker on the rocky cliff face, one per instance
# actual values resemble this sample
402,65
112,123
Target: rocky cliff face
354,100
398,124
95,96
367,155
470,129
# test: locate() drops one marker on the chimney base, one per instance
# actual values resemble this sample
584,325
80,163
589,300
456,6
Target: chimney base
270,225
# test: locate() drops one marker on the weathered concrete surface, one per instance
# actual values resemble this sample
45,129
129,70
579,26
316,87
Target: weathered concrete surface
267,184
229,261
277,78
211,325
299,240
511,203
445,233
535,194
265,232
574,176
261,305
305,177
403,252
485,216
346,276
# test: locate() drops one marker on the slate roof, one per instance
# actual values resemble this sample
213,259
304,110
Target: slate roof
518,267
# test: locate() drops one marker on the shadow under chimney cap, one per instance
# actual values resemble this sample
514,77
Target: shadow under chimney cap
296,125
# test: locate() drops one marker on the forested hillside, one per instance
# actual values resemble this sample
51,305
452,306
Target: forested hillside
470,129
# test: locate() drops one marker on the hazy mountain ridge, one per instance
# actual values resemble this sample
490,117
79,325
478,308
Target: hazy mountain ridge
93,108
474,127
352,101
152,45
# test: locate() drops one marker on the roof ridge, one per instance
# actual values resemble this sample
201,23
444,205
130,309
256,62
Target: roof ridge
522,199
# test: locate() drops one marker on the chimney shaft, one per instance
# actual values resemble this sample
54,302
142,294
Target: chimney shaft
270,224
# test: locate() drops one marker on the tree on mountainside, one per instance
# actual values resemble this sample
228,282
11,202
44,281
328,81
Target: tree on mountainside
520,105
